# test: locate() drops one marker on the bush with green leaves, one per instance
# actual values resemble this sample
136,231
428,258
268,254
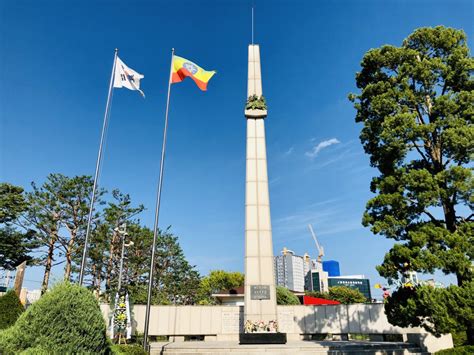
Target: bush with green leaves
65,320
346,295
343,294
439,310
37,350
10,309
318,294
286,297
462,350
255,102
132,349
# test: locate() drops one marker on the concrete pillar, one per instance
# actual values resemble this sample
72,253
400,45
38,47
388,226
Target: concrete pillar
260,293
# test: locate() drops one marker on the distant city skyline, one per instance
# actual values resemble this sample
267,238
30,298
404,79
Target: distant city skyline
55,69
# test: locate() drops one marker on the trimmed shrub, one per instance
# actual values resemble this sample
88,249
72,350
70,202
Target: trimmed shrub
133,349
10,309
65,320
286,297
39,350
346,295
461,350
343,294
317,294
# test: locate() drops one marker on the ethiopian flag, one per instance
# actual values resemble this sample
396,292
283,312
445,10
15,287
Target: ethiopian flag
182,68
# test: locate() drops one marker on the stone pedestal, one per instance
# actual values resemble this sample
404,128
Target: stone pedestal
260,292
262,338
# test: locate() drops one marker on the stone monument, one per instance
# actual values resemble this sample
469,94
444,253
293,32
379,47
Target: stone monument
260,310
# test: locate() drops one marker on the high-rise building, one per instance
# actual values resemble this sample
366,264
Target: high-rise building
308,266
332,268
290,270
319,281
358,282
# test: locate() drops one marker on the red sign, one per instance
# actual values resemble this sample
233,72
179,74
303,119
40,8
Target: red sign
308,300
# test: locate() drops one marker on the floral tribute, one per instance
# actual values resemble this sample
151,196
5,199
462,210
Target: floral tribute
261,327
121,322
256,103
120,315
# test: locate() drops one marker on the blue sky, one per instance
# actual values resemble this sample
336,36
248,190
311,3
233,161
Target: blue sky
55,66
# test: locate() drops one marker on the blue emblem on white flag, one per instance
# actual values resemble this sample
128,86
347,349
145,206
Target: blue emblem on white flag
191,67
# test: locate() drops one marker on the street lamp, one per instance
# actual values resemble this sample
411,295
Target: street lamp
123,233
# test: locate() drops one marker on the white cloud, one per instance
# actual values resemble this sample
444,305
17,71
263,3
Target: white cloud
288,152
320,146
325,216
274,181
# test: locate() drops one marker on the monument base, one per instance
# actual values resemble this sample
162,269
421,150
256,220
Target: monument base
262,338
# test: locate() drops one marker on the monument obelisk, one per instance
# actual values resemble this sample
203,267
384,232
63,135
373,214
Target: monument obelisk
260,292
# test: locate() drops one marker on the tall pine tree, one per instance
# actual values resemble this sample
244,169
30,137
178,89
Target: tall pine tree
416,105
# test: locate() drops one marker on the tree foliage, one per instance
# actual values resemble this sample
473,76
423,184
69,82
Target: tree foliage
175,281
318,294
342,294
57,212
54,215
462,350
106,241
417,107
286,297
346,295
66,320
15,245
438,310
218,280
10,309
12,202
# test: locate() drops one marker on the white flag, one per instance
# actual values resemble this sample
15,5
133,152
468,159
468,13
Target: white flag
126,77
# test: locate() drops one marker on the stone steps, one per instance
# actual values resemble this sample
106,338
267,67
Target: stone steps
292,347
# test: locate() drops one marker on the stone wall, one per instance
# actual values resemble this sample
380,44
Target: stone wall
225,322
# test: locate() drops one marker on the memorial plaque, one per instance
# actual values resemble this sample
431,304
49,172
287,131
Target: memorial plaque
259,292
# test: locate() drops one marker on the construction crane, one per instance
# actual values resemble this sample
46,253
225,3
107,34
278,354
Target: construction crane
320,248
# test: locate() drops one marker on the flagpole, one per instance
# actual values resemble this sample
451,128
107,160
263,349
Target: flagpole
157,212
97,170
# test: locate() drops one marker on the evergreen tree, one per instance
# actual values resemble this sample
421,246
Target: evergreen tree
15,246
216,281
12,202
417,107
106,242
10,309
175,280
57,212
73,196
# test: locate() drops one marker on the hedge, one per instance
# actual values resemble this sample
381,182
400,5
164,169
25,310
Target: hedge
10,309
132,349
65,320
